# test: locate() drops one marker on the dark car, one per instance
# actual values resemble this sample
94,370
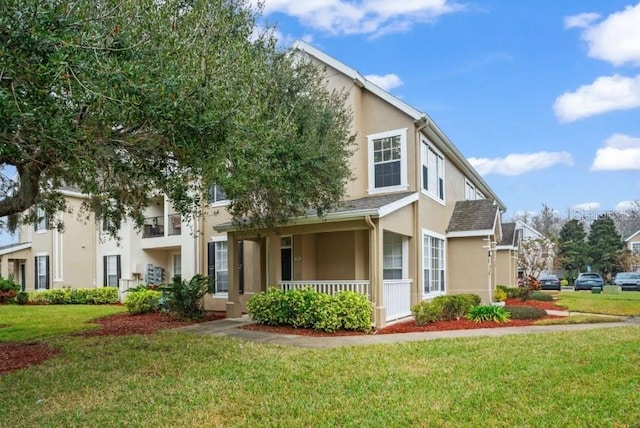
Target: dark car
549,282
587,280
627,280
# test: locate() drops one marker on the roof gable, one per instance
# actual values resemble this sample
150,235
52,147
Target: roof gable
473,218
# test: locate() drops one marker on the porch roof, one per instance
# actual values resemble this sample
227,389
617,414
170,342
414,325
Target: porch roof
12,248
474,218
373,206
509,234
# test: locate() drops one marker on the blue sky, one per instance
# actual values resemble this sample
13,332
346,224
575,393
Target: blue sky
543,97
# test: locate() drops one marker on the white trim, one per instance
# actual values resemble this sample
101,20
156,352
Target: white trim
73,194
15,248
404,184
506,247
467,233
218,204
432,234
41,253
218,238
395,206
425,146
632,236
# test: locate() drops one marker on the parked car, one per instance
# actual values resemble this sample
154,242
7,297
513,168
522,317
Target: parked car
549,281
627,280
587,280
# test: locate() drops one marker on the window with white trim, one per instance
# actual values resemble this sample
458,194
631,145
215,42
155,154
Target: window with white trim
432,171
177,265
388,161
112,271
42,221
635,247
217,266
217,195
42,272
433,265
392,256
469,191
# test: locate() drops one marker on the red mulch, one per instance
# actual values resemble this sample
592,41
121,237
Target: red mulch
15,356
536,304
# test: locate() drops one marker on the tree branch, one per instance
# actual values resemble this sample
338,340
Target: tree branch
27,192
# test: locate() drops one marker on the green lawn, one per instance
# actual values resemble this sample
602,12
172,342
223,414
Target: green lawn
625,304
37,322
587,378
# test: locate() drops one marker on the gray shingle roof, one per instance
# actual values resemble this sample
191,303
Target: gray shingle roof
508,234
473,215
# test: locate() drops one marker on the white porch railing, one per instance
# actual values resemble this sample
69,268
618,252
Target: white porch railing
396,297
328,287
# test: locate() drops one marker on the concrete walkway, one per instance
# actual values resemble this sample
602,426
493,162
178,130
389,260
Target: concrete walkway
229,327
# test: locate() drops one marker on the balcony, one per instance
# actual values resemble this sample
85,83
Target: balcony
154,227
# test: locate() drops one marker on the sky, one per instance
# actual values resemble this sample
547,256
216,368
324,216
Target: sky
542,97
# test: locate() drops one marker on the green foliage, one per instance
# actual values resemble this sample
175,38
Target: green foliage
143,301
185,297
488,313
512,292
8,284
449,307
540,296
74,296
427,312
306,308
564,282
499,295
525,312
203,98
573,248
22,298
472,299
605,245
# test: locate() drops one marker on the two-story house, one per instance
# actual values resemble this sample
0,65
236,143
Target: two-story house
45,257
418,220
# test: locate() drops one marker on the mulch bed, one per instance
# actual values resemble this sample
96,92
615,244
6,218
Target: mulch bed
19,355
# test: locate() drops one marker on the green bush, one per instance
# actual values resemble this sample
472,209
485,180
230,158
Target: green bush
74,296
543,297
564,282
8,289
488,313
22,298
103,295
427,312
525,312
512,292
472,299
185,297
306,308
142,301
499,295
453,306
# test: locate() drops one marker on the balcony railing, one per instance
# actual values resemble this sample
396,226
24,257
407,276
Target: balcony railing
153,227
328,287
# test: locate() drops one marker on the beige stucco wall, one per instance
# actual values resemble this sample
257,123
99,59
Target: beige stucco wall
506,268
468,270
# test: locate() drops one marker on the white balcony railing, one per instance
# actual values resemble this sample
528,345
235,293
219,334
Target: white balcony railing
396,297
328,287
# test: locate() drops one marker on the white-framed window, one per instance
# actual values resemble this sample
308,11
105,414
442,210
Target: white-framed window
217,196
177,265
388,161
217,266
635,247
432,171
469,191
42,221
42,272
393,260
112,270
433,264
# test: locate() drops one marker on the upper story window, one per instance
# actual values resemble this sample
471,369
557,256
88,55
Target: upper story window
471,193
635,247
432,171
217,195
388,161
42,221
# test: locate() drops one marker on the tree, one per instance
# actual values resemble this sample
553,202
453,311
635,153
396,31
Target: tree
605,245
573,249
547,222
627,219
535,256
124,99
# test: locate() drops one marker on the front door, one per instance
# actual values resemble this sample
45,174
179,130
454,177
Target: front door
23,276
286,257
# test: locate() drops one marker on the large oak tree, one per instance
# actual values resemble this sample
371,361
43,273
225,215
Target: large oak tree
121,99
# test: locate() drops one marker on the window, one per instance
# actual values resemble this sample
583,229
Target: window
42,221
217,266
433,265
216,194
42,272
392,256
177,265
388,161
635,247
112,271
432,171
469,191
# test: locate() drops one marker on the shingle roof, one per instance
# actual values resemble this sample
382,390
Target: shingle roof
368,203
473,216
508,234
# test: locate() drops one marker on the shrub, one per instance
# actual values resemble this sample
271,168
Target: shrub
499,295
8,289
543,297
306,308
472,299
488,313
142,301
564,282
427,312
185,297
22,298
512,292
74,296
525,312
454,306
103,295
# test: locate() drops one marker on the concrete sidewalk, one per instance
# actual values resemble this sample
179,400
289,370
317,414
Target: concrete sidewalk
229,327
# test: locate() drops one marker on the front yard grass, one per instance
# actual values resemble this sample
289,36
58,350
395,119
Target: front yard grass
31,322
586,378
625,304
580,319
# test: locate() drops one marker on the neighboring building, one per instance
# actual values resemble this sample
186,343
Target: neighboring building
44,258
404,232
507,255
632,243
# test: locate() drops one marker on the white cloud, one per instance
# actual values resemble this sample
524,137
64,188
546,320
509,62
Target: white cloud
586,206
582,20
617,38
620,152
371,17
607,93
520,163
627,205
386,82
